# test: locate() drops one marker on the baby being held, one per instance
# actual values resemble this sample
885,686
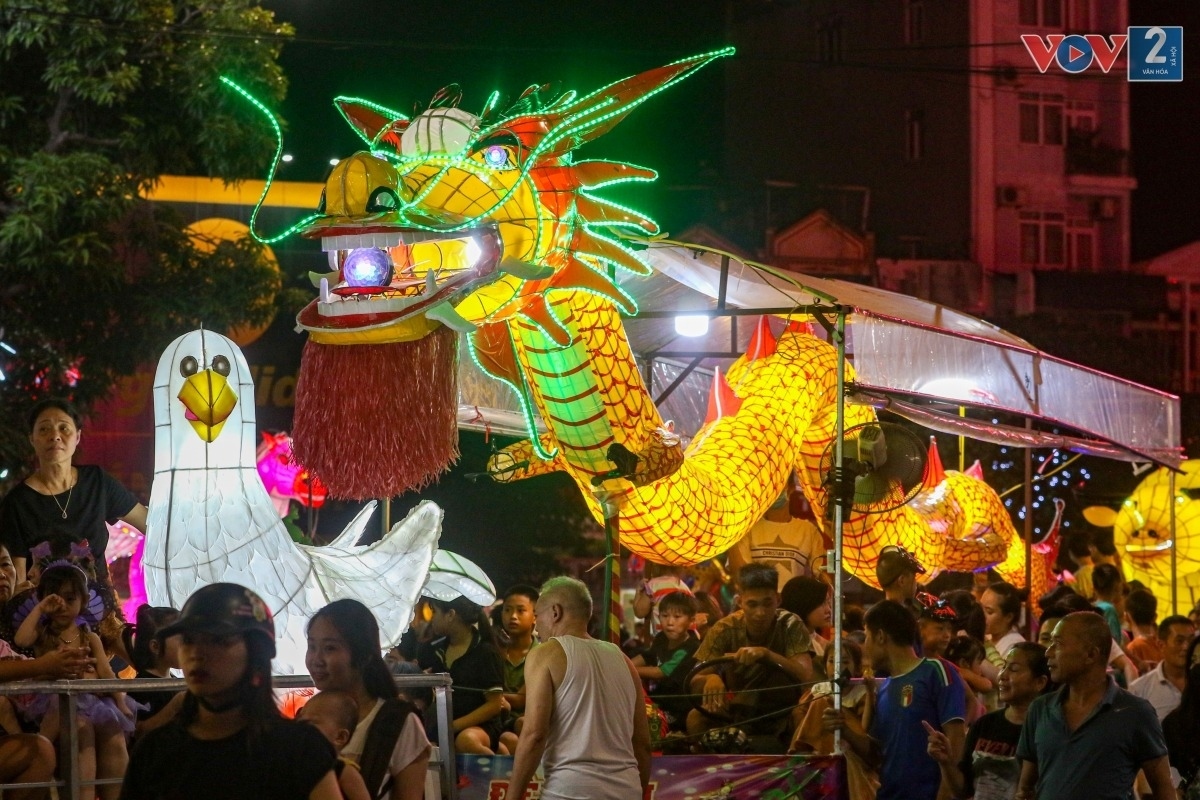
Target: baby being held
335,715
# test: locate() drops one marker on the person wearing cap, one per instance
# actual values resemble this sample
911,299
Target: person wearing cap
897,571
229,740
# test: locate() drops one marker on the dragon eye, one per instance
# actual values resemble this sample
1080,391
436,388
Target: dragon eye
188,366
495,156
220,365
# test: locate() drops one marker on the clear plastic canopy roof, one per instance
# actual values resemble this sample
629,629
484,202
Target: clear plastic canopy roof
912,347
903,349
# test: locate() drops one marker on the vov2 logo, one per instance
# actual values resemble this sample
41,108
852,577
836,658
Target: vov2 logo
1075,52
1155,51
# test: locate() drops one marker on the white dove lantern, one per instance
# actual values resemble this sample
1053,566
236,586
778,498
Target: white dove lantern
211,519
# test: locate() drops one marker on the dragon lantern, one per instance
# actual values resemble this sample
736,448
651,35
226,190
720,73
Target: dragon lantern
487,224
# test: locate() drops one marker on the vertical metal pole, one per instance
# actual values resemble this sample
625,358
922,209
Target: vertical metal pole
1174,557
611,627
444,701
838,434
68,737
962,443
1027,533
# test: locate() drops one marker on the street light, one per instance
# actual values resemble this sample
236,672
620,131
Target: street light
693,325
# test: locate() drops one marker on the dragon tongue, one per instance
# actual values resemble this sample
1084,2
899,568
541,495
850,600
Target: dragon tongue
377,420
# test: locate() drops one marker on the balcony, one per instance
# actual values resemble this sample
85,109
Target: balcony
1094,166
1086,154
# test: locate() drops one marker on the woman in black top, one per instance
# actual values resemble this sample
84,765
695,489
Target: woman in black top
1181,729
465,647
76,501
989,766
229,740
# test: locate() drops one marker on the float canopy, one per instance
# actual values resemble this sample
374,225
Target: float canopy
914,357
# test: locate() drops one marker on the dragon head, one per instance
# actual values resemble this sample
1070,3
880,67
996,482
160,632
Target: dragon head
457,219
452,221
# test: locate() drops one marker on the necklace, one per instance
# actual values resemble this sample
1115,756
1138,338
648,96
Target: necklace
63,506
69,641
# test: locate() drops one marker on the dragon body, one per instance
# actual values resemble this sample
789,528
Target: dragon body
487,224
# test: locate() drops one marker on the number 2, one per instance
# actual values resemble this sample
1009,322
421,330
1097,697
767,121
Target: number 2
1153,57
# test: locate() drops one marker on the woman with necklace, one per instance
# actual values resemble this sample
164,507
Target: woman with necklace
59,496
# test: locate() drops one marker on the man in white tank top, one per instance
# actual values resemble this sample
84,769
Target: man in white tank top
585,719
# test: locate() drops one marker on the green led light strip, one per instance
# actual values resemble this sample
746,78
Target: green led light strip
254,101
522,398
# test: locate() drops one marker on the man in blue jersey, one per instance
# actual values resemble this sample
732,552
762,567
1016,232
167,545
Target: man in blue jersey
920,695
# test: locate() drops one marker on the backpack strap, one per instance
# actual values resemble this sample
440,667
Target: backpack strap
381,741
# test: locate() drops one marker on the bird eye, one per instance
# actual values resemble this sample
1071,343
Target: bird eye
220,365
188,366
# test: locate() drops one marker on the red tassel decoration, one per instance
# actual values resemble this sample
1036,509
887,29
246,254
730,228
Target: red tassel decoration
375,421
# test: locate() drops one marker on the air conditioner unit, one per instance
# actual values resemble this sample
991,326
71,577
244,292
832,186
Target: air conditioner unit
1008,195
1006,74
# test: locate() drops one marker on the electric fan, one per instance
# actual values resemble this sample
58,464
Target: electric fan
883,467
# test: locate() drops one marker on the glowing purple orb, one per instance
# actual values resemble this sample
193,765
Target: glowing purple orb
367,266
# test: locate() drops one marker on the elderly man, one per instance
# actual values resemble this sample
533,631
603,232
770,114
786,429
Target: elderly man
1089,738
585,719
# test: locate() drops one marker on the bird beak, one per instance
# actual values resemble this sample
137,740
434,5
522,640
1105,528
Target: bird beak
209,400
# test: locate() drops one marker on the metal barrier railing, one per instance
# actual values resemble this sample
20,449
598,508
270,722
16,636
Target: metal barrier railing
68,739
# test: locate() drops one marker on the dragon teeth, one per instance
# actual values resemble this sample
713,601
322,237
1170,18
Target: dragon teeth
383,241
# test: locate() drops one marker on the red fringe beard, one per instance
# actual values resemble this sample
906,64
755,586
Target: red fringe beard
375,421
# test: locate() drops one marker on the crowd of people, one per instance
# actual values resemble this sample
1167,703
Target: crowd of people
936,697
943,696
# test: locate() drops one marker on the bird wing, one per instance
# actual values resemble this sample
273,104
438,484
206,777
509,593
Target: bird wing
386,576
452,575
350,535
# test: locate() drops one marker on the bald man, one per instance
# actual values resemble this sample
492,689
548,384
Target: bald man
1089,738
585,718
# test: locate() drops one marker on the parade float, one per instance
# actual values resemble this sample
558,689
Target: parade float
484,233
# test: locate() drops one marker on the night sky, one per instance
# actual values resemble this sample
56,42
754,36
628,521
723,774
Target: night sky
400,53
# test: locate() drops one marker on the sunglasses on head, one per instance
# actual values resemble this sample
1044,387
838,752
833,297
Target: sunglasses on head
908,557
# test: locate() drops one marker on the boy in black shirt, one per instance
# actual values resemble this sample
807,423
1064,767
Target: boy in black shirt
671,657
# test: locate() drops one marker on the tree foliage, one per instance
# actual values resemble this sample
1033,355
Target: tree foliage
97,99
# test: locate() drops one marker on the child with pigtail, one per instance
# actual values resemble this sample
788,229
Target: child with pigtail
58,618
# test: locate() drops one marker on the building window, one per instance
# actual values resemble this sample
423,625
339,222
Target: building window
829,40
1043,240
1040,13
1081,116
1081,245
914,21
1080,17
1041,119
914,135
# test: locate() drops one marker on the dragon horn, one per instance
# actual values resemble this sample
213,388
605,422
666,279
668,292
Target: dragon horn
370,121
566,127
